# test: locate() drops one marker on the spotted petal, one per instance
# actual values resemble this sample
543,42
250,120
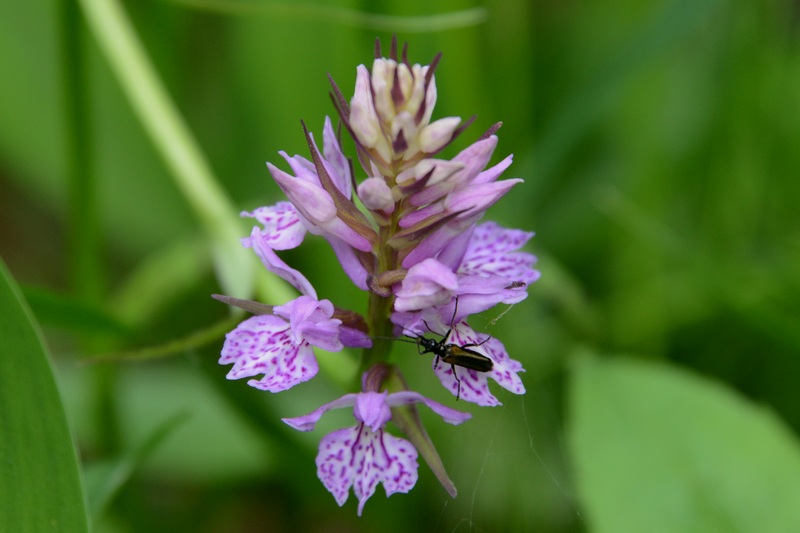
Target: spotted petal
492,251
474,384
505,369
283,229
262,344
360,458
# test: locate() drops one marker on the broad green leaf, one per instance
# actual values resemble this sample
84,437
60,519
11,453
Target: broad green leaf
658,449
40,486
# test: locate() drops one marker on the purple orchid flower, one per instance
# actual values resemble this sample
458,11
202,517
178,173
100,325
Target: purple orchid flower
489,271
364,455
408,234
280,345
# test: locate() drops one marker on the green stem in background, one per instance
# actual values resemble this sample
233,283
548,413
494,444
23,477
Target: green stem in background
84,253
84,256
342,15
235,266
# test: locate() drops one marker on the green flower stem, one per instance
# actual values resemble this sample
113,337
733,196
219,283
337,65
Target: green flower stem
380,307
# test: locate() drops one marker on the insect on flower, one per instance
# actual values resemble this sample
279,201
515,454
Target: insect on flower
453,354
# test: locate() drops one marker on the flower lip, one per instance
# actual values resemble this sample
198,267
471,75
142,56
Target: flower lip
364,455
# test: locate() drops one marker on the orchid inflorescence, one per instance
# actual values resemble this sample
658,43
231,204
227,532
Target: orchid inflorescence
408,235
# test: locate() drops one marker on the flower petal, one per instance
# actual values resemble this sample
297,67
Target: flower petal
427,284
349,260
473,158
474,384
335,466
436,135
361,458
283,229
478,198
505,369
307,422
491,250
311,322
276,265
335,160
363,118
451,416
371,409
354,338
262,344
308,197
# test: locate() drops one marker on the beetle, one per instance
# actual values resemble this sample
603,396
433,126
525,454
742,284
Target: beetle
453,354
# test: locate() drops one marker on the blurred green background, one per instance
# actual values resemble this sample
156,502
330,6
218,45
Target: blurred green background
658,141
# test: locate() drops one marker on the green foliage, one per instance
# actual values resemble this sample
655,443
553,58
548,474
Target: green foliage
658,143
40,484
658,449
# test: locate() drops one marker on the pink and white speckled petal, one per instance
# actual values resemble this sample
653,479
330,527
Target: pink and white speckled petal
361,458
505,371
283,229
396,461
491,250
262,345
474,384
335,464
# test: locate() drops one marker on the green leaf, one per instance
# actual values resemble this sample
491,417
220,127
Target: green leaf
658,449
40,486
